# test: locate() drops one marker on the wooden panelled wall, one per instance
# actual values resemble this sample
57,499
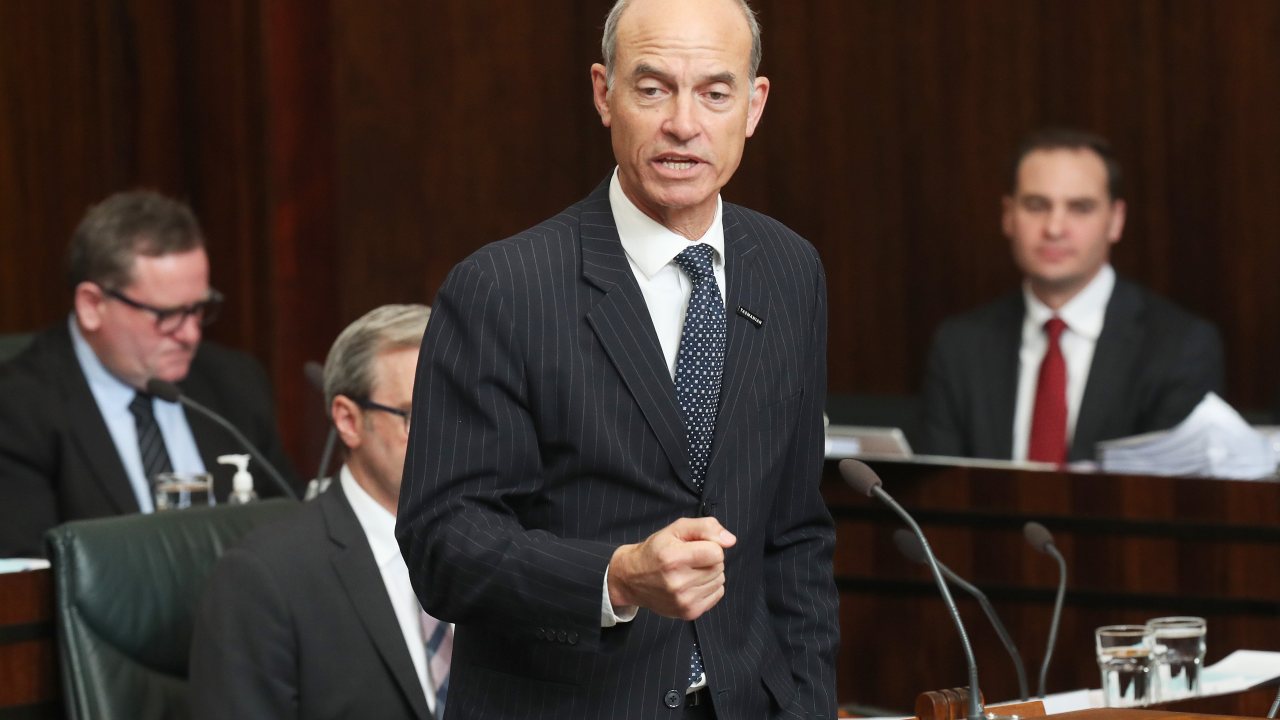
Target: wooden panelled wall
345,153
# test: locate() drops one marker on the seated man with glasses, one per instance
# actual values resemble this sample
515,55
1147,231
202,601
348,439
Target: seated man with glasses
314,616
78,436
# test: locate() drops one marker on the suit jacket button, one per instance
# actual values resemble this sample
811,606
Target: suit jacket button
573,637
672,699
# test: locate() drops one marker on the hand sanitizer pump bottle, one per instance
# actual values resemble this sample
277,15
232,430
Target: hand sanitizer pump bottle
242,484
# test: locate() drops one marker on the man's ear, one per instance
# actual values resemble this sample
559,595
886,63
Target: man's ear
87,300
349,420
600,93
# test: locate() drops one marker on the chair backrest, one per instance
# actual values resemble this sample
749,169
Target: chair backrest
126,589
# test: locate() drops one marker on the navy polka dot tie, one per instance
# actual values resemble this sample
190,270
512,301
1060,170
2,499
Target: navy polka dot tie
699,371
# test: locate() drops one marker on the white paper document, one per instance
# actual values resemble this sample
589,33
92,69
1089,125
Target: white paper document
1214,441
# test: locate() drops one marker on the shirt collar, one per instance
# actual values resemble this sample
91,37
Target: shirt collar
650,245
1085,313
378,522
109,390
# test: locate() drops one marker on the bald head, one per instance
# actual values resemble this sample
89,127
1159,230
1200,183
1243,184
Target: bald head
609,42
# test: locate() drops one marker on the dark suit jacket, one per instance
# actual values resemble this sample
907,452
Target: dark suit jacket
546,434
296,623
57,459
1153,364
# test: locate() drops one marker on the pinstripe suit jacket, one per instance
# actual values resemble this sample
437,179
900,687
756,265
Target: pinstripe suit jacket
546,434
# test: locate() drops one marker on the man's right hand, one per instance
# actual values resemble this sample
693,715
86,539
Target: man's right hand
678,571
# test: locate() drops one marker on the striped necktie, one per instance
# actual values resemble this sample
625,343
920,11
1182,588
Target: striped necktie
699,371
438,637
155,457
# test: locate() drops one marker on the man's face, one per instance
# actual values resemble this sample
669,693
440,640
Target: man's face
126,339
681,106
384,439
1062,221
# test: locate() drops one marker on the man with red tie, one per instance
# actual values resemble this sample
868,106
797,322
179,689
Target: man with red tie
1078,355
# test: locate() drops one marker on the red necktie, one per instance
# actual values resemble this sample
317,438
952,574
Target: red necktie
1049,419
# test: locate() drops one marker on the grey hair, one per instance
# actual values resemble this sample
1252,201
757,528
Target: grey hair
117,230
349,368
609,41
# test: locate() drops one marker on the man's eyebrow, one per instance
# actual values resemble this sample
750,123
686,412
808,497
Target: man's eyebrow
728,78
644,69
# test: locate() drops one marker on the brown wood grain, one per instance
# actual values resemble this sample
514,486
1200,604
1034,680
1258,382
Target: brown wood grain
344,154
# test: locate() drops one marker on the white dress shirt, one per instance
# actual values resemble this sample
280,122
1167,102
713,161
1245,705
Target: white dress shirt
113,397
1084,315
380,528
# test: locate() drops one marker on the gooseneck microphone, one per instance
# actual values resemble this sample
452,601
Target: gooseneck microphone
169,392
864,480
1275,705
314,372
910,547
1042,540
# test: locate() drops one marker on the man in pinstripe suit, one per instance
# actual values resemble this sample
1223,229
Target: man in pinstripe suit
604,552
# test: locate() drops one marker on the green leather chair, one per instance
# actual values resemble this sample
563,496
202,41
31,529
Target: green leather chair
126,590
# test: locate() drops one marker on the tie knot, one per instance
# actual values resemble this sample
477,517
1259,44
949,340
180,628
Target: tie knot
695,260
1053,327
141,405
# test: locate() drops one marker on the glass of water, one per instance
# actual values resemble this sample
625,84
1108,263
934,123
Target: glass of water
178,491
1177,648
1124,658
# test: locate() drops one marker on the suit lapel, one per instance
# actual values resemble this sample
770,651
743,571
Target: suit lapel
1002,370
1113,356
624,327
89,429
745,289
353,563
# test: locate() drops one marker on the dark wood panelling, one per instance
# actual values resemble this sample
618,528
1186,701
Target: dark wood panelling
343,154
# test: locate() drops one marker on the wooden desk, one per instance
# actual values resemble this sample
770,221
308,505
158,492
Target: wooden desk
28,650
1136,548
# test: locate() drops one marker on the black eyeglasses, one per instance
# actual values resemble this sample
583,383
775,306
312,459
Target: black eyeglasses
368,404
169,319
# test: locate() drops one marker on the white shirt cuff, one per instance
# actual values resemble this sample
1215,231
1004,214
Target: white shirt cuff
608,615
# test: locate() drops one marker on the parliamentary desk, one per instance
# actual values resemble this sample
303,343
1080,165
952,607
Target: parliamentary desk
1136,547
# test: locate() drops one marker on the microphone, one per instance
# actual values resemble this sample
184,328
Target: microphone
909,546
1042,540
169,392
314,372
1275,705
864,480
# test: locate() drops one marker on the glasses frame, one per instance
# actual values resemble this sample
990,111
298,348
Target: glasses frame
206,311
404,415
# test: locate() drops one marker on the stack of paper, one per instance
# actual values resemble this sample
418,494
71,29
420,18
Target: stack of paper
1213,441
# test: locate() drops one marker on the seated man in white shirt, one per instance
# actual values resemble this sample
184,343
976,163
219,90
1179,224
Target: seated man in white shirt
314,616
1078,355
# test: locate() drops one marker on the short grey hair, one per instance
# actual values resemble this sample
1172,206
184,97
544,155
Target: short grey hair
349,368
609,41
122,227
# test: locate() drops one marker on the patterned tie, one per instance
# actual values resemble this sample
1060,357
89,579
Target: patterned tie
699,371
155,457
438,637
1049,420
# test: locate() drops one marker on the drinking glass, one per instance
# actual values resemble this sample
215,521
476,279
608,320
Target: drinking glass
178,491
1124,658
1177,649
